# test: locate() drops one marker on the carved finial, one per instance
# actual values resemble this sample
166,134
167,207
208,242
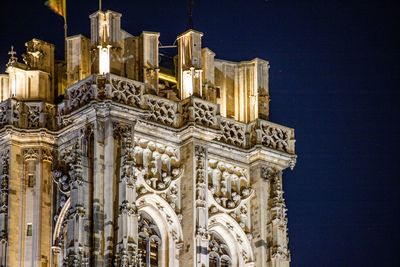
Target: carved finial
269,173
13,59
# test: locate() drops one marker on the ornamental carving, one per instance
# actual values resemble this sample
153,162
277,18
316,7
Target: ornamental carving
50,115
124,132
47,154
121,130
34,54
228,184
126,92
162,110
205,113
200,155
4,113
80,95
276,201
16,114
269,173
31,153
158,165
127,208
68,168
62,181
280,253
201,190
219,254
33,116
80,258
278,219
233,132
123,258
275,137
4,181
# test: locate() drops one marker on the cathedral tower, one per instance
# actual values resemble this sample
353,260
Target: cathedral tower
110,159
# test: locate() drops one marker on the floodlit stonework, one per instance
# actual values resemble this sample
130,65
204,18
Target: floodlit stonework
124,156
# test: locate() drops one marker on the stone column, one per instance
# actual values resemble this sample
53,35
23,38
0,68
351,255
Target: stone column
194,195
32,166
126,252
98,193
86,143
109,192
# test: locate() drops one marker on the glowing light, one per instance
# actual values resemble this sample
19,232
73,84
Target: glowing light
104,59
187,83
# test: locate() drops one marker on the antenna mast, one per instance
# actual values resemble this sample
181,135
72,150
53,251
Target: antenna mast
100,5
190,13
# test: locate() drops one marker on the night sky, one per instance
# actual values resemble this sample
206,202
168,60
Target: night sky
334,77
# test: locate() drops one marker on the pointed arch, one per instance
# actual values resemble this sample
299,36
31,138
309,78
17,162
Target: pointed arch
233,235
60,220
168,224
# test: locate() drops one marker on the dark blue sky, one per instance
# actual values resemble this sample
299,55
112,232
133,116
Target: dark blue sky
334,77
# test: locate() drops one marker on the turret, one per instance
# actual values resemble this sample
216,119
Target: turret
189,64
33,79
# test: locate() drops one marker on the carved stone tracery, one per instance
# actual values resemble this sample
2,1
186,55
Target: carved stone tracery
34,116
219,254
162,110
158,165
126,92
233,133
275,137
81,95
205,113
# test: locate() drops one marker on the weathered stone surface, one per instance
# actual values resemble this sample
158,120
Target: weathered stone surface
137,166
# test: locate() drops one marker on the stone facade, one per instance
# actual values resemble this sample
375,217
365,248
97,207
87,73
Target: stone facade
110,159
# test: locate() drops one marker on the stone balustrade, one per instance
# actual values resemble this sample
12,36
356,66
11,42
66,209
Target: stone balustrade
28,114
176,114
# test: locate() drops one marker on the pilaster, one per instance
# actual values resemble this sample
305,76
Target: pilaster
259,215
46,207
279,255
201,206
98,191
15,198
77,254
110,187
195,210
127,240
33,170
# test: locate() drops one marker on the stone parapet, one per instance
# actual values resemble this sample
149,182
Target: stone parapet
27,114
176,114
